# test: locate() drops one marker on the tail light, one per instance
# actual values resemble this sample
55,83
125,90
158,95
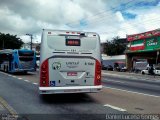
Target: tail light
44,74
97,80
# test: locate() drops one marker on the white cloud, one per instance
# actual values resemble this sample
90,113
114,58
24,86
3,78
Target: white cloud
21,17
119,16
72,12
146,19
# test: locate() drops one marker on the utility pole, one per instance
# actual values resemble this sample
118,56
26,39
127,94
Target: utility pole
31,39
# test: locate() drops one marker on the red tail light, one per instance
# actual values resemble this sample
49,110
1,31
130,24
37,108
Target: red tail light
97,80
44,74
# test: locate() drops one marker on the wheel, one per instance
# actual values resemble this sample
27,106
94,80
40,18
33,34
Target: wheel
143,73
3,68
7,69
25,72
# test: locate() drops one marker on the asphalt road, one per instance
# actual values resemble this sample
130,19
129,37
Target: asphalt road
22,95
122,93
135,84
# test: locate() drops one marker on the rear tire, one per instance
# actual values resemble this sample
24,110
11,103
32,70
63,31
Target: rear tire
4,68
25,72
7,69
143,73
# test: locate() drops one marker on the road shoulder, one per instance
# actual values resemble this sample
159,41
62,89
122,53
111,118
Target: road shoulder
5,108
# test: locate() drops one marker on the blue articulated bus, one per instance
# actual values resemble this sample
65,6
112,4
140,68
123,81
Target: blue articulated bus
21,60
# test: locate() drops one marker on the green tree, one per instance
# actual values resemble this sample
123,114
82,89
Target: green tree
8,41
116,46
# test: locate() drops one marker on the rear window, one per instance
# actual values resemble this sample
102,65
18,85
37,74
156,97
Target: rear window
22,53
26,59
158,68
71,42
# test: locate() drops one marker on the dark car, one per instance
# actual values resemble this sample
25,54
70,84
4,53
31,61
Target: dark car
109,67
104,67
120,66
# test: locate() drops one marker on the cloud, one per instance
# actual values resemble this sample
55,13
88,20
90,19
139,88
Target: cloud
109,18
119,16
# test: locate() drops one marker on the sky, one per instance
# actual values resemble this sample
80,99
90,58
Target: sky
108,18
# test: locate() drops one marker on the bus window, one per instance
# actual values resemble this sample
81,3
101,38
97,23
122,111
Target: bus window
22,53
26,56
25,59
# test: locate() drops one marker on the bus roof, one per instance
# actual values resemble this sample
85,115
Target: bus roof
68,32
12,50
6,51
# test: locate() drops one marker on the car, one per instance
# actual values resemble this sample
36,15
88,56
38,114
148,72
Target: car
145,71
156,71
104,67
120,66
109,67
123,69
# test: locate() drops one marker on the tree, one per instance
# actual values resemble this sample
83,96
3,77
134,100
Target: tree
116,46
8,41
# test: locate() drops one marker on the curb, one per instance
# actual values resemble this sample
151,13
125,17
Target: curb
6,108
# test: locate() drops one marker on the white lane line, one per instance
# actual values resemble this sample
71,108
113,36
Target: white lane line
14,76
116,108
9,75
115,81
131,91
35,83
20,78
2,72
8,107
111,74
27,80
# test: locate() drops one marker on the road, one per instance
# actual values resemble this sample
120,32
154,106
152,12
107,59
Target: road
22,95
134,83
134,92
120,95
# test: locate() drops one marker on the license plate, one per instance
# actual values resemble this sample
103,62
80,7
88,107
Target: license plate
71,73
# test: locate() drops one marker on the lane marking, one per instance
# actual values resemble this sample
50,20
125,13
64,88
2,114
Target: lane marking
114,107
112,74
115,81
9,75
14,76
135,77
122,76
35,83
131,91
27,80
8,107
20,78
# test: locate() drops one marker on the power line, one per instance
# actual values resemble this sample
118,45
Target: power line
103,11
102,17
153,21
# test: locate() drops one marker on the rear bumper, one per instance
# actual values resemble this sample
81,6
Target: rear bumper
72,89
22,70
